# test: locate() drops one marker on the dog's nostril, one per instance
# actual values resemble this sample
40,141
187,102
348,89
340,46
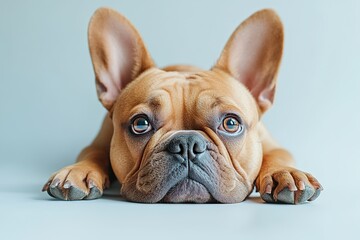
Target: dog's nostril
176,147
199,147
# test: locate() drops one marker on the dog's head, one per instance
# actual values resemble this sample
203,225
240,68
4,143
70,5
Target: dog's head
192,135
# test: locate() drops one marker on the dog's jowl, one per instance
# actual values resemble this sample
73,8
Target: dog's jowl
183,134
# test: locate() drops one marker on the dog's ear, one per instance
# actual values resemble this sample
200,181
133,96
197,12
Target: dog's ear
253,54
118,54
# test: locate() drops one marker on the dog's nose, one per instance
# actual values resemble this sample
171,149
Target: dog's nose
187,145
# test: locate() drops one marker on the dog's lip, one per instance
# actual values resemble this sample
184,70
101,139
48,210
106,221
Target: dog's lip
188,190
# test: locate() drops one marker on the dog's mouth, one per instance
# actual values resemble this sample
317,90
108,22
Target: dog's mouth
188,191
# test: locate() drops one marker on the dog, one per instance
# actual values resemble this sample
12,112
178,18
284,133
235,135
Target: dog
183,134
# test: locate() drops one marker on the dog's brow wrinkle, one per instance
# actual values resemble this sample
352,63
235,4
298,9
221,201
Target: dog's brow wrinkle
190,77
217,102
154,102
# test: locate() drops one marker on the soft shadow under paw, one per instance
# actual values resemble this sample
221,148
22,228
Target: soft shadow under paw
113,192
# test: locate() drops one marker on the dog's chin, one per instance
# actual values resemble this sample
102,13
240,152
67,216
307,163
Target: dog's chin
188,191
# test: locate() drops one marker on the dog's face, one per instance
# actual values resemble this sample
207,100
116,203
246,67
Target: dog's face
186,136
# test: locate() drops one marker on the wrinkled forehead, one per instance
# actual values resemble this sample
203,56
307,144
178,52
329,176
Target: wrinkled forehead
156,89
151,87
218,91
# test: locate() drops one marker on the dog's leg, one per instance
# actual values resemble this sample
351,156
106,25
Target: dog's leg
87,178
278,180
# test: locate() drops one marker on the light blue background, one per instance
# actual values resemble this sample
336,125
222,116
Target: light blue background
49,111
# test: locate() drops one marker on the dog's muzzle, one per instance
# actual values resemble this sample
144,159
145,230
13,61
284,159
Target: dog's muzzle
186,167
187,149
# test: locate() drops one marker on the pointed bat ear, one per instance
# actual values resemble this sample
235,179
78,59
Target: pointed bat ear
253,53
118,54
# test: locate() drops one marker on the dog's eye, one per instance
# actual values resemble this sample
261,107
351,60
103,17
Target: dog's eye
231,125
140,125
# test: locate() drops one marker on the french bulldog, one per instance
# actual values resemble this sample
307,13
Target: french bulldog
183,134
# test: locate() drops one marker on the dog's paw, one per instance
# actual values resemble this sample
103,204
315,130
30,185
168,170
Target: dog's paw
77,182
288,186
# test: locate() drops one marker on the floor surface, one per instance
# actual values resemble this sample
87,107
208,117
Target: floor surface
27,213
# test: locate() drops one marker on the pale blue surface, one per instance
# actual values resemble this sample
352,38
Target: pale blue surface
49,111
